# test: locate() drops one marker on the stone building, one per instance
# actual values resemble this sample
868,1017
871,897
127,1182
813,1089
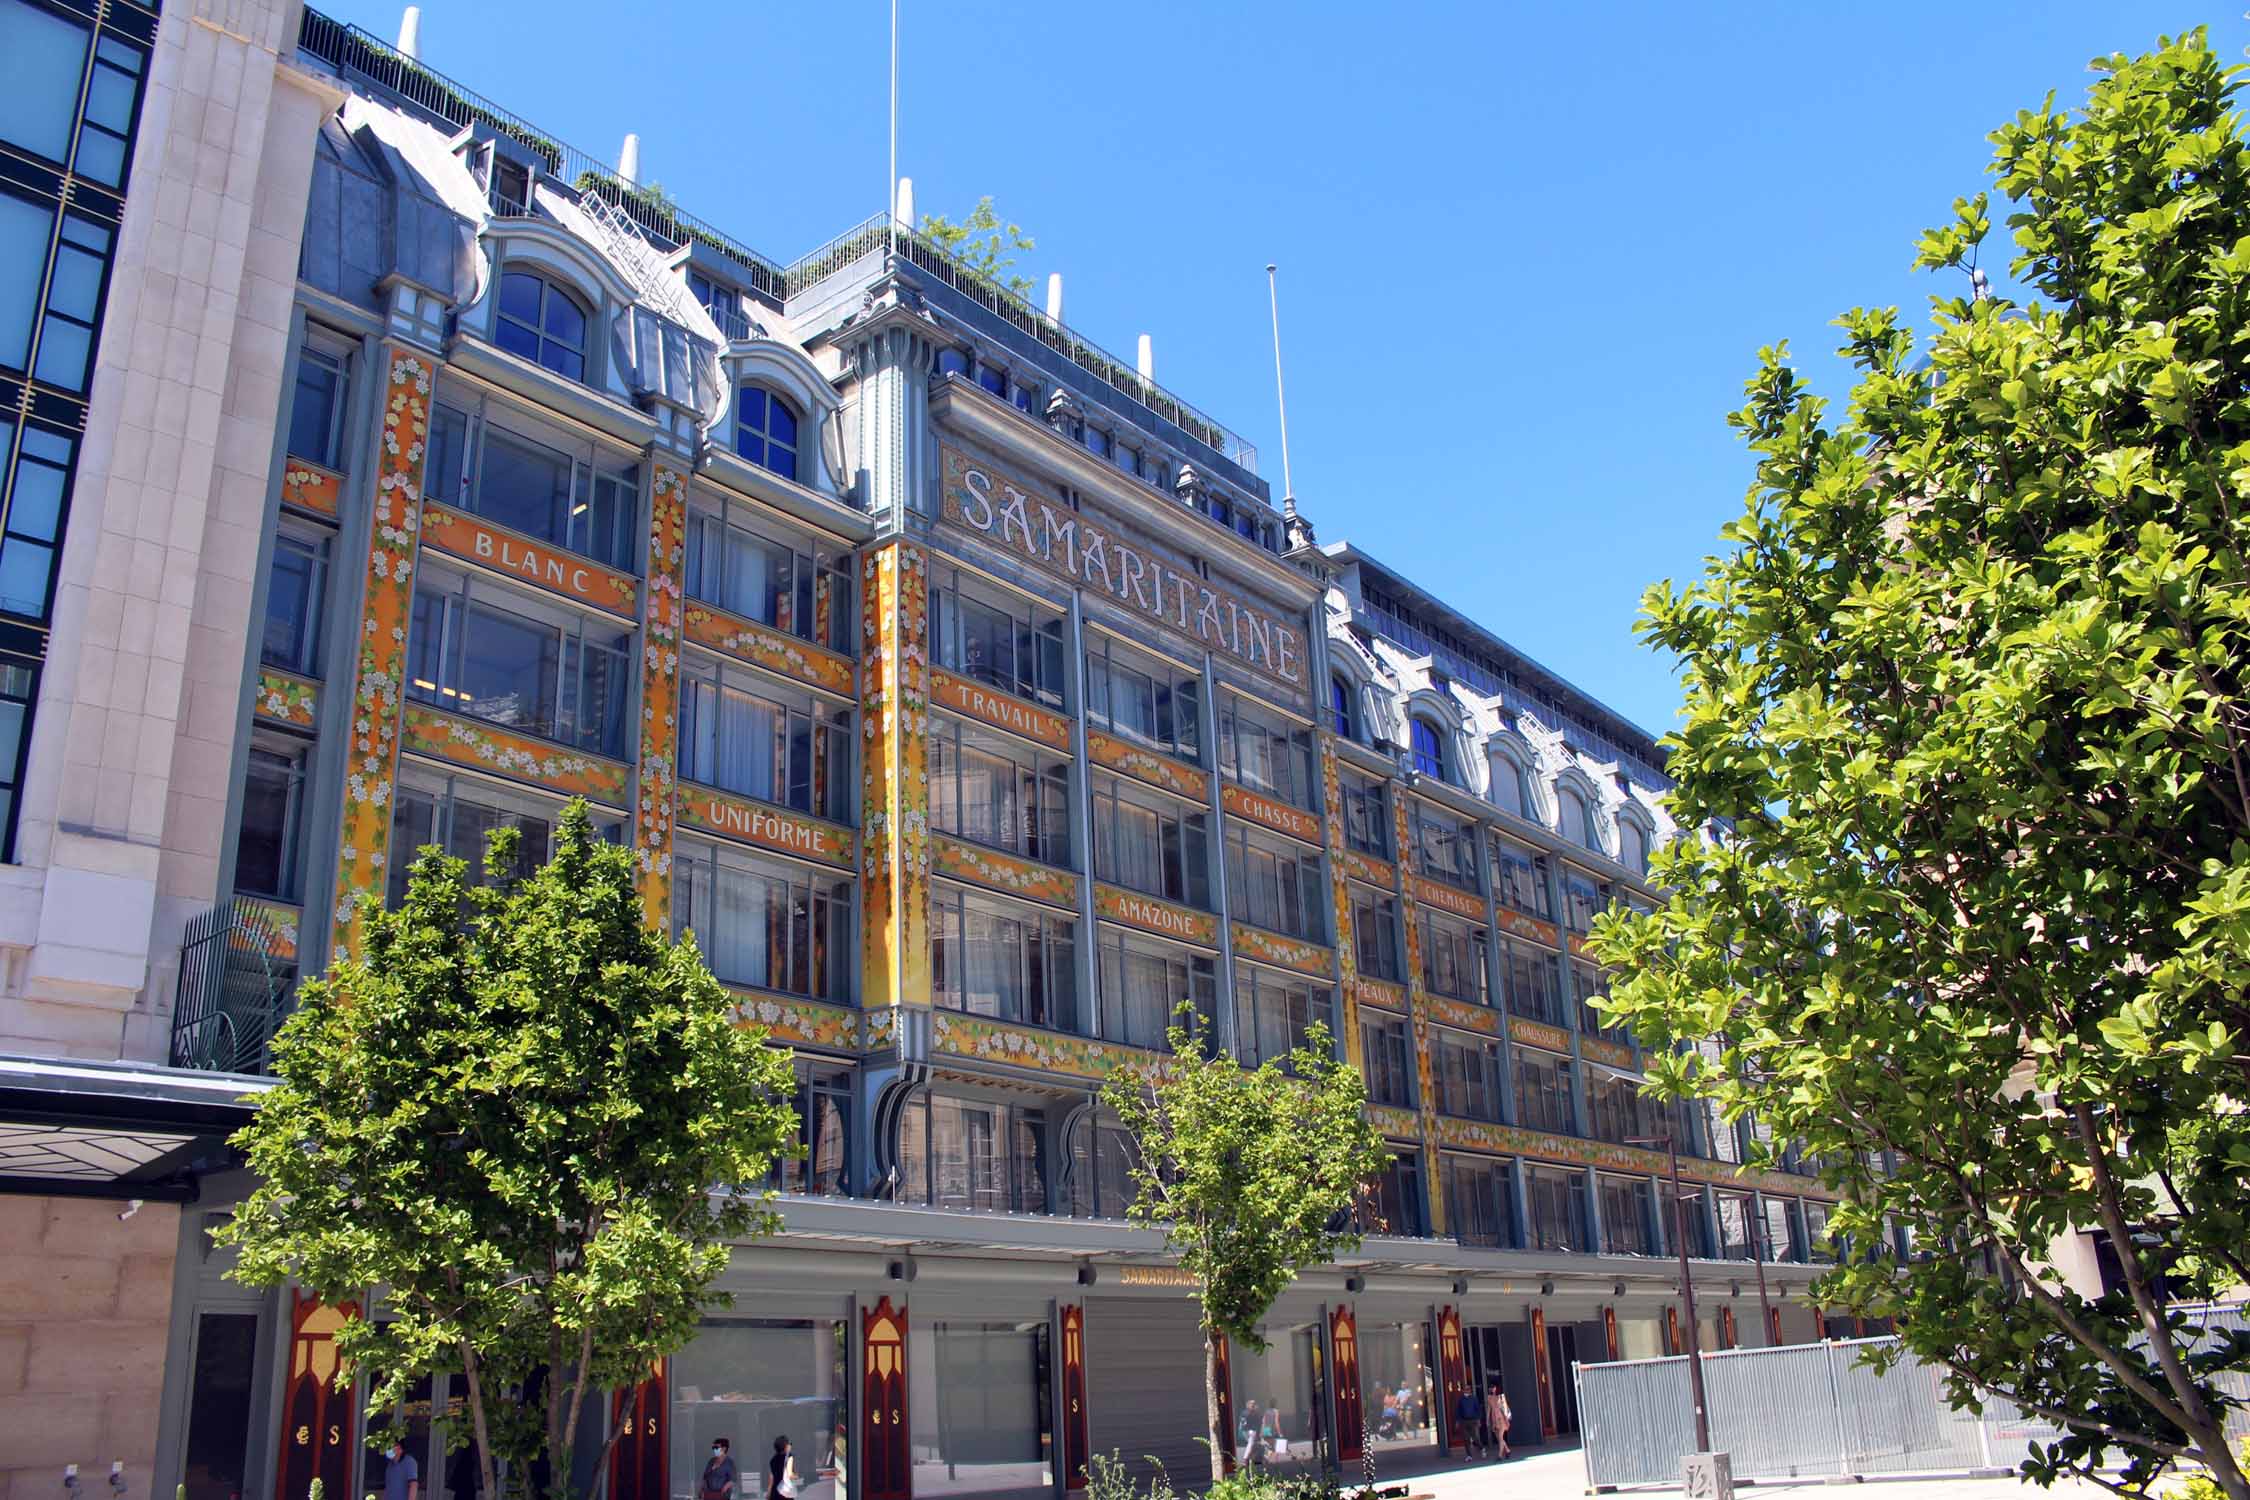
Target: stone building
408,472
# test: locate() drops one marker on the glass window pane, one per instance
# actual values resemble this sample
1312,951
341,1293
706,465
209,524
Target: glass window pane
63,350
35,509
42,57
24,567
516,338
988,1414
564,319
311,408
751,1381
519,296
25,229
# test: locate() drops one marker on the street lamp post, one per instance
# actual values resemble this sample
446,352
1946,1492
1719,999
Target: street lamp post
1758,1256
1687,1294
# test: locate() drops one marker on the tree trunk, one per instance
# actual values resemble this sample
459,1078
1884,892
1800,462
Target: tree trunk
1221,1442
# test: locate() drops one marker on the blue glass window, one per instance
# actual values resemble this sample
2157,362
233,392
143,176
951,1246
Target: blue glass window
25,229
1340,707
316,409
952,362
765,430
543,323
19,681
37,494
1097,441
111,93
1428,750
74,296
993,379
42,58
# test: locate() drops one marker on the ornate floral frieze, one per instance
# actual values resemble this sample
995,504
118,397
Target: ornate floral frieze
486,747
284,698
283,924
1608,1054
1451,1012
1001,710
309,487
1045,1051
1519,925
807,1023
1606,1156
764,825
540,564
1403,1124
660,694
774,650
1286,952
1538,1034
1129,759
1268,812
1002,872
1376,872
1577,941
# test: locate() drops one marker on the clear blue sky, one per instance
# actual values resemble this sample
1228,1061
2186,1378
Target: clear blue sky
1528,251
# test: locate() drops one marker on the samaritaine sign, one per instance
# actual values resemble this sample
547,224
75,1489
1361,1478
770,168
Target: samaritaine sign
1073,545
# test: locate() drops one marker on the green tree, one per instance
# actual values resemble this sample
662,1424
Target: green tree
1966,728
508,1118
983,243
1251,1174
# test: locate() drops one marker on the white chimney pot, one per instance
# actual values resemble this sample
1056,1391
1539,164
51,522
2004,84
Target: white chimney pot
1147,360
410,32
629,160
903,209
1054,296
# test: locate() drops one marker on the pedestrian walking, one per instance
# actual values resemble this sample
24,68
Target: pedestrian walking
782,1472
719,1475
1496,1416
1468,1416
402,1476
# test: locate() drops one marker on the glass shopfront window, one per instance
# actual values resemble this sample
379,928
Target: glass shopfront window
514,471
1144,983
990,635
1398,1386
980,1409
744,733
996,958
1281,1397
1266,752
1000,792
962,1152
738,560
509,658
751,1380
764,923
1144,697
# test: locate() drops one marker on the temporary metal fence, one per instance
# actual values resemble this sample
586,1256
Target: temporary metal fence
1805,1410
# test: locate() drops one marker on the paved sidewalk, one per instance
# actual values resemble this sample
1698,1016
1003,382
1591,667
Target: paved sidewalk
1559,1473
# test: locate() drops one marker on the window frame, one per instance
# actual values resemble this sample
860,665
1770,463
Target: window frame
829,729
551,286
469,417
323,350
1036,629
1247,853
1432,759
1175,703
473,590
1244,723
1375,938
313,545
827,896
763,435
1047,954
1039,783
1183,841
288,757
1199,968
821,573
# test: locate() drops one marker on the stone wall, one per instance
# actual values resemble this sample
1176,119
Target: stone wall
85,1307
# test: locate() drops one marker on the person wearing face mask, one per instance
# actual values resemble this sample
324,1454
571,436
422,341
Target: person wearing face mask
402,1476
782,1472
719,1473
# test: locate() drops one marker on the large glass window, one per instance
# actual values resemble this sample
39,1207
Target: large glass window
765,430
74,301
1453,959
804,589
216,1464
37,502
1398,1391
824,1114
1574,818
501,466
1101,1170
542,322
1617,1110
273,793
25,230
747,734
1734,1225
1626,1210
42,60
1511,791
1780,1228
1266,752
1632,846
1426,749
958,1151
1275,885
995,958
1589,984
989,635
1147,842
1000,792
1389,1056
1281,1397
1543,1091
1341,720
1519,881
1273,1012
1468,1075
295,591
1477,1194
1532,988
981,1419
1445,848
1367,821
1583,898
751,1380
317,405
1142,696
460,814
494,654
1375,933
1392,1203
1144,983
763,923
1557,1200
1818,1247
19,680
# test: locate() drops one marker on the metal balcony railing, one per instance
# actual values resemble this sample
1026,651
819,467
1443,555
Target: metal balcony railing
233,990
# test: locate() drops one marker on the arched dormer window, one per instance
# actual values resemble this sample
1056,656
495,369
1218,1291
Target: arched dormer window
1632,845
1340,715
1574,817
542,322
1511,790
765,430
1426,749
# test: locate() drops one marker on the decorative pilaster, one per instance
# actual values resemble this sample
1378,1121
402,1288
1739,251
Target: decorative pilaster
1340,912
895,777
394,534
1418,1011
1076,1450
661,612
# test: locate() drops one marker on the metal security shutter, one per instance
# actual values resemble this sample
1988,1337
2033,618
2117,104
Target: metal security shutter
1144,1386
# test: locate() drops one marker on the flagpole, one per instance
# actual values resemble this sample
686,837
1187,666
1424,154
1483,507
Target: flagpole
890,186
